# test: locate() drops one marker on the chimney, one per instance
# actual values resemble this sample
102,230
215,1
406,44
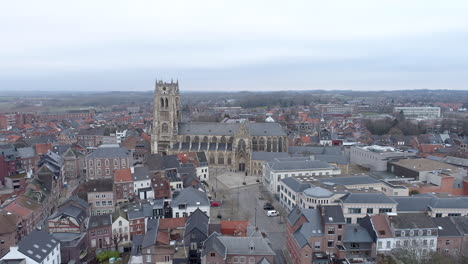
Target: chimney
132,170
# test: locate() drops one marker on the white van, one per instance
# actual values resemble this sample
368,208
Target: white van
272,213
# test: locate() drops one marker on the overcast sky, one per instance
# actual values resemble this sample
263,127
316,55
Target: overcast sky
236,45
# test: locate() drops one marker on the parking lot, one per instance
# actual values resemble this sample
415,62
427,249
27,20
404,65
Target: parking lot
245,202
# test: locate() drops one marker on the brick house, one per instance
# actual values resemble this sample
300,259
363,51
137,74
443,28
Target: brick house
156,246
310,231
136,220
73,164
161,186
102,162
450,239
100,232
99,194
8,231
123,185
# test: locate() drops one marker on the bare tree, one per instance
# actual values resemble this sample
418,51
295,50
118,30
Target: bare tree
117,238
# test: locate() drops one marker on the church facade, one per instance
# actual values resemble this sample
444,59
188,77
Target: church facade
226,145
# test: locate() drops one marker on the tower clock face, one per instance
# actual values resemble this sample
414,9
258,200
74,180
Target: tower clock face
164,89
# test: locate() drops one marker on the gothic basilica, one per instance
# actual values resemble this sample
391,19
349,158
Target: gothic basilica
227,145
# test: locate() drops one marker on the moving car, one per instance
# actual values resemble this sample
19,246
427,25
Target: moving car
272,213
215,204
268,206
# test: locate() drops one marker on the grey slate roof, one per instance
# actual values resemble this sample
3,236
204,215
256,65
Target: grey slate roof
351,180
268,156
451,202
109,152
318,192
356,234
137,241
333,214
423,202
37,245
27,152
446,227
151,234
412,221
295,184
291,164
367,198
332,150
313,226
141,174
197,220
241,245
71,210
97,221
462,223
412,203
212,243
157,162
229,129
331,158
191,197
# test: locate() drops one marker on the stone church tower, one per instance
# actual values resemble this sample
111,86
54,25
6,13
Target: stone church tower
166,116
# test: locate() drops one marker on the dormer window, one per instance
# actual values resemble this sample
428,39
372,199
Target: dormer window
411,233
429,232
403,233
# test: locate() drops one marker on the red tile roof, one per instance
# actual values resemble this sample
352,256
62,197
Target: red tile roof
43,148
123,175
234,228
171,223
381,226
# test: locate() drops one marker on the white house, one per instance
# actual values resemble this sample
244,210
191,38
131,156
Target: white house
121,227
188,200
36,248
141,178
411,231
280,168
202,171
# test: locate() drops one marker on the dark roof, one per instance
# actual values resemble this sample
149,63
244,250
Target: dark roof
333,214
462,223
191,197
98,185
37,245
230,129
446,227
356,234
109,151
367,198
332,150
73,211
214,244
268,156
412,203
295,185
411,221
137,241
197,220
96,221
151,235
298,164
158,162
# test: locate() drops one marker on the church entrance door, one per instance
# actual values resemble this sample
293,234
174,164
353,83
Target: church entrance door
241,166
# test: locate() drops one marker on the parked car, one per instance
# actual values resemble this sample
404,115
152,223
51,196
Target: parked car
268,206
215,204
272,213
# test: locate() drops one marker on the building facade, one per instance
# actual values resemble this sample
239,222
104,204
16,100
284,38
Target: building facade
227,145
